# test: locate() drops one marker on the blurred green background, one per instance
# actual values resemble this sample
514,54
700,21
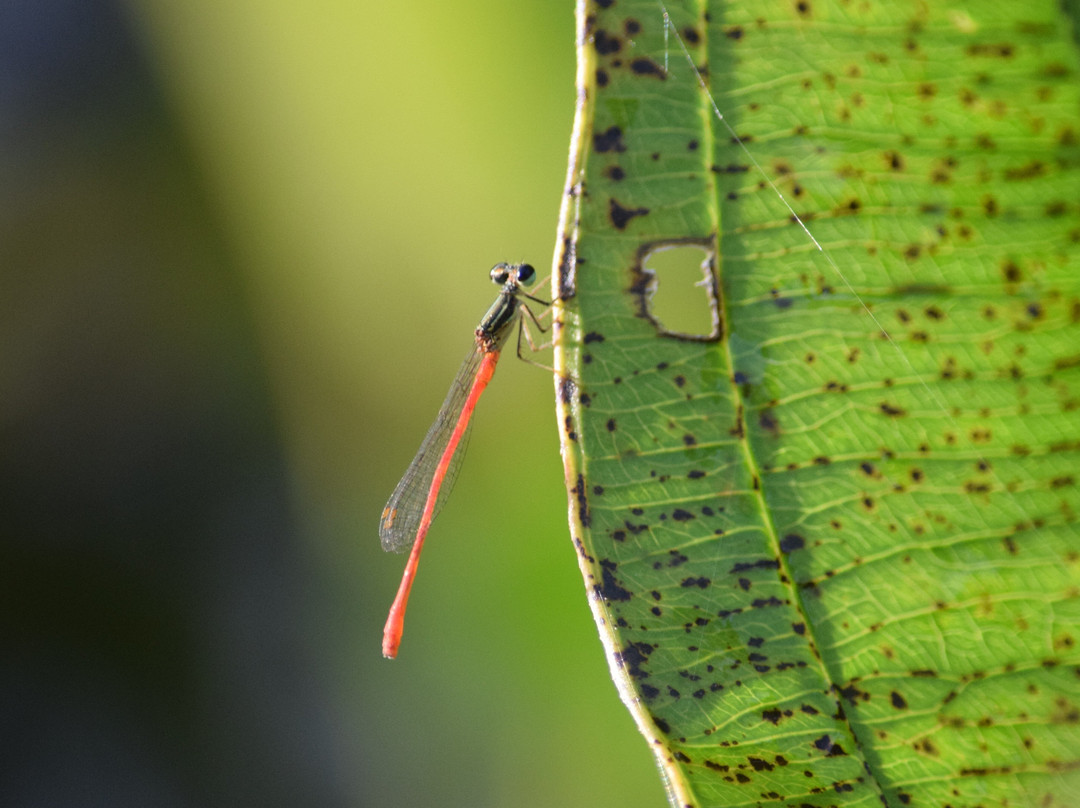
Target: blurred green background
242,249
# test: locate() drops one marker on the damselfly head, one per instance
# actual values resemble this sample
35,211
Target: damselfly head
503,273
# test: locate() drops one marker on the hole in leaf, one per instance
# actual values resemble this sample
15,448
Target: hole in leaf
680,294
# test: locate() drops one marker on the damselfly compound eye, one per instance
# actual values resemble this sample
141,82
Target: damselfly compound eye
500,273
526,273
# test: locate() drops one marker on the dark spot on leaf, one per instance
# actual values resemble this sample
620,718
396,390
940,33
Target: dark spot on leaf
614,173
621,216
582,500
609,140
633,657
676,559
605,43
611,590
760,564
701,583
647,67
853,693
1067,362
761,603
1010,271
792,542
768,421
831,749
998,50
898,701
679,515
1028,171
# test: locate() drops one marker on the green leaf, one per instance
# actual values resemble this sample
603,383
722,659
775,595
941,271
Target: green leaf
830,541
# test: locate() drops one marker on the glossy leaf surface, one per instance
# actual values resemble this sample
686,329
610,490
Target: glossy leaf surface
831,541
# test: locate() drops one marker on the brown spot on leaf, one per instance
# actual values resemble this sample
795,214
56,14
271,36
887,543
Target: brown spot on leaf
611,590
647,67
621,216
609,140
605,43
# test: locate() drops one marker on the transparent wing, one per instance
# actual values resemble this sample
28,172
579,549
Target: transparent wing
401,516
